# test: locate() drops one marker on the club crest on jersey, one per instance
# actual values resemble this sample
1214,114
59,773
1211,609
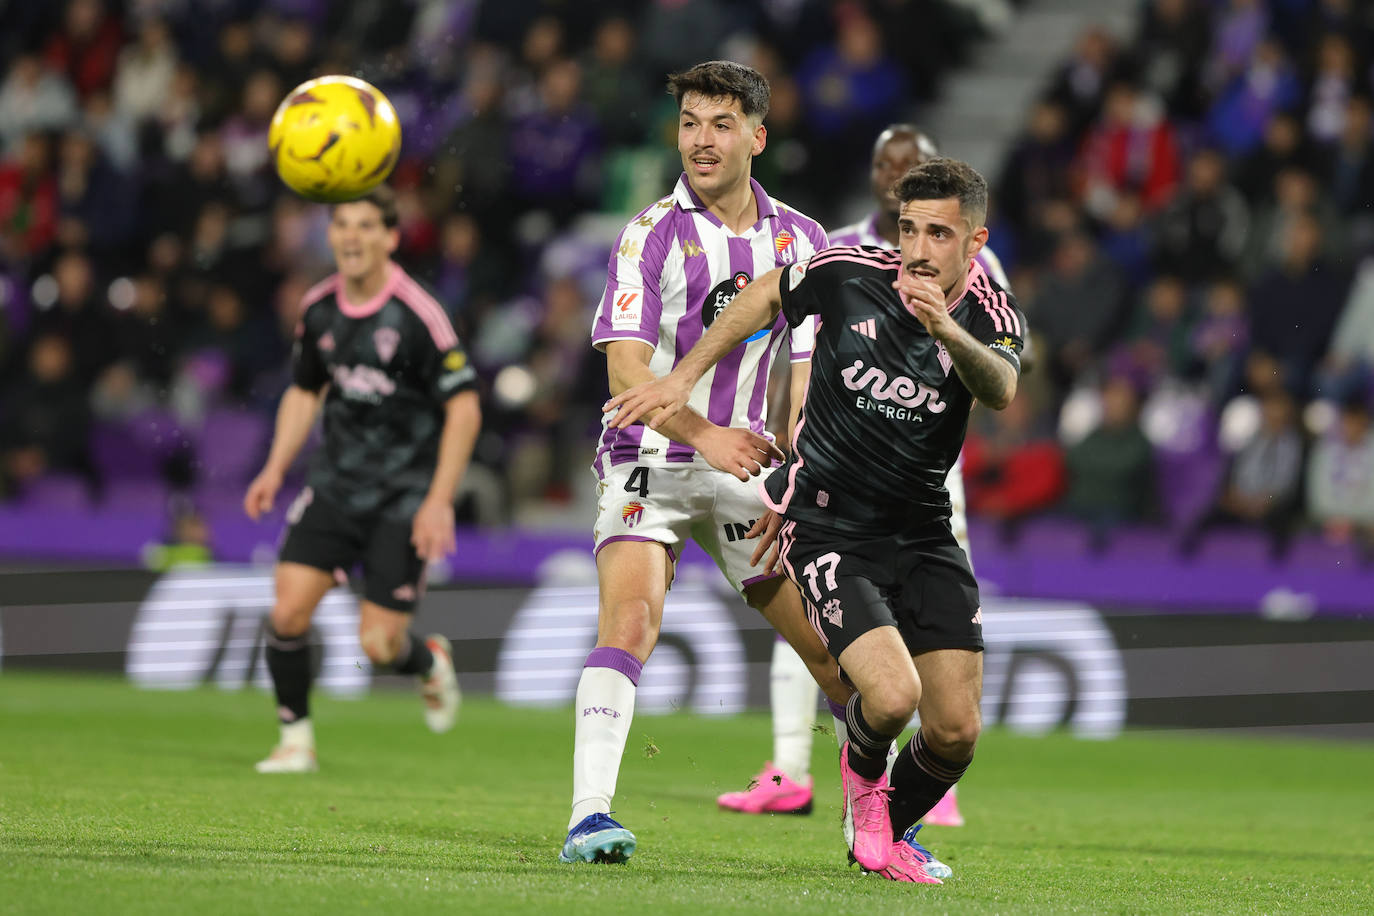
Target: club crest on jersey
632,513
386,340
326,342
721,296
782,244
946,361
833,612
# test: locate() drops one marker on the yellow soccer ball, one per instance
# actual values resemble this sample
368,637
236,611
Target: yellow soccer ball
334,139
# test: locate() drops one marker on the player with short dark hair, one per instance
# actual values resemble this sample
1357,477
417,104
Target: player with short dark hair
675,267
784,784
378,354
908,340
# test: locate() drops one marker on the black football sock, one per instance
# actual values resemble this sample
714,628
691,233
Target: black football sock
920,778
867,746
288,660
414,657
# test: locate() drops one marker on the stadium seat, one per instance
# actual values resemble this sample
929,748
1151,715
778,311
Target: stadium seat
57,491
229,446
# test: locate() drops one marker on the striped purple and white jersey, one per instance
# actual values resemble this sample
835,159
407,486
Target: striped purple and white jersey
674,269
865,232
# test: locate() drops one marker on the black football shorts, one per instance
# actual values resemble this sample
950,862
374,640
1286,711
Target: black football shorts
324,536
918,580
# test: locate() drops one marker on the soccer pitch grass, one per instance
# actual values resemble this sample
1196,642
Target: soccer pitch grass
117,800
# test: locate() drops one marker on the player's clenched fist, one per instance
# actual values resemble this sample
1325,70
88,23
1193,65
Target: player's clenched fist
923,297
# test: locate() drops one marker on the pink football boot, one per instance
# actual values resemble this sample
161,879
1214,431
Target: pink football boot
867,827
770,792
946,811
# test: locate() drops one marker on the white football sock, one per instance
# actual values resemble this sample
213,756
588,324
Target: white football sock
605,707
792,694
298,734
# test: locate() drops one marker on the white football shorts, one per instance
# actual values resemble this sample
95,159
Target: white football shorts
671,504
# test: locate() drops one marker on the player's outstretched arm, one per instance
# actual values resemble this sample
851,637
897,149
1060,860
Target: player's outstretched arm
295,416
431,531
988,377
756,307
740,452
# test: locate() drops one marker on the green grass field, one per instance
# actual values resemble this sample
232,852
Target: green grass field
125,801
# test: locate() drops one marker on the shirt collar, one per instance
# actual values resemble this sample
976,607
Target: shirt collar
687,199
975,271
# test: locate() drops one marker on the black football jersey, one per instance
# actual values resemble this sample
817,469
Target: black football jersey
885,412
391,363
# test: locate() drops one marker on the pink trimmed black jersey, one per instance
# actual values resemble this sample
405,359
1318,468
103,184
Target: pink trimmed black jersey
391,363
674,269
885,412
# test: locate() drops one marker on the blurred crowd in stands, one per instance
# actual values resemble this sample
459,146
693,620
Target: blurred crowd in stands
1187,218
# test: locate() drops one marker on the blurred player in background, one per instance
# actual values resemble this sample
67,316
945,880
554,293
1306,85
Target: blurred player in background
907,341
792,691
401,415
676,266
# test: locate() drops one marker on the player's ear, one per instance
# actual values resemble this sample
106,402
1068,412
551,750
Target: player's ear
760,139
977,241
393,239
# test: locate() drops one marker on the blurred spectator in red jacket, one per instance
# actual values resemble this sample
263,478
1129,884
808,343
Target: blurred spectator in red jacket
1131,147
28,201
1011,469
87,47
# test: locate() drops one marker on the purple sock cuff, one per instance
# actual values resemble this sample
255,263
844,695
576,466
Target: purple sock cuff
616,660
836,709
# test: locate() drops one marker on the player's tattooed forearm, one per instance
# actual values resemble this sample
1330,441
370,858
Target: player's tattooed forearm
988,377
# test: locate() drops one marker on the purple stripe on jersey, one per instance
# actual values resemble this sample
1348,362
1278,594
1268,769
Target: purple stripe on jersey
624,445
725,383
651,259
754,580
759,395
689,327
813,231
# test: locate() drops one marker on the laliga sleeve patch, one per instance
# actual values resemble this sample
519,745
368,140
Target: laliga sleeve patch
625,311
795,274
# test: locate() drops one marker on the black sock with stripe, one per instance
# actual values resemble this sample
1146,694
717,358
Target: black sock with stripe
920,778
288,661
414,657
867,746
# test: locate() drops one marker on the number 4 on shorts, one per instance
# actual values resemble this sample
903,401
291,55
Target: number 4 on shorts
638,482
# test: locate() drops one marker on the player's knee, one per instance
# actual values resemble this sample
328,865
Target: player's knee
380,644
953,739
891,707
629,626
289,622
